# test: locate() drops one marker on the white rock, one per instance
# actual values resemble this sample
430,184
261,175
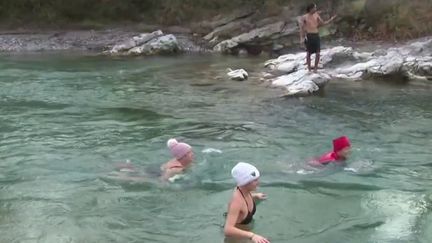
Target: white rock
159,45
412,61
238,74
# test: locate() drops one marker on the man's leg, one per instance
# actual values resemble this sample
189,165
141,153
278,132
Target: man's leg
317,54
308,60
317,58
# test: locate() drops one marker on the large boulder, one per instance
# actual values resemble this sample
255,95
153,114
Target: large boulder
292,62
221,20
166,44
263,36
235,27
405,62
135,41
301,82
357,19
147,44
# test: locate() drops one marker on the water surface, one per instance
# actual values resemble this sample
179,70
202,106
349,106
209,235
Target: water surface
67,119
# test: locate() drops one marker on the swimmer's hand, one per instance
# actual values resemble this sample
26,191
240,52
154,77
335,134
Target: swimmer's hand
351,170
172,179
283,26
259,195
302,44
259,239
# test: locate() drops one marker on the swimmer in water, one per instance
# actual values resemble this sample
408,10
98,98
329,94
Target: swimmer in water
242,207
127,172
340,153
183,158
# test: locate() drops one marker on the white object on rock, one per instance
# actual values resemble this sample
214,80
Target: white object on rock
238,74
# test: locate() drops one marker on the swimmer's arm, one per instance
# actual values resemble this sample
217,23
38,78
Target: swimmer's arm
301,22
321,22
231,220
168,173
315,163
163,166
122,166
259,195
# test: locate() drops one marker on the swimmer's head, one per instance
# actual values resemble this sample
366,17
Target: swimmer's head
342,146
246,175
311,8
181,151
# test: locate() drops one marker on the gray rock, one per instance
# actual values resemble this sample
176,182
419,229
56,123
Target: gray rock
223,20
291,62
123,46
260,36
186,44
150,44
228,29
143,38
225,46
161,45
178,30
135,41
301,82
238,74
406,62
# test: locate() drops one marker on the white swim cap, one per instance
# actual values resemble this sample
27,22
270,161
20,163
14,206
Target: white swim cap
244,173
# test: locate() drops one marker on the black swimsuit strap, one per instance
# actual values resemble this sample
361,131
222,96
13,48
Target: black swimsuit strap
247,205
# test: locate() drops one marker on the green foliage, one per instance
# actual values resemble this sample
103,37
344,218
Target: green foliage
396,19
151,11
362,18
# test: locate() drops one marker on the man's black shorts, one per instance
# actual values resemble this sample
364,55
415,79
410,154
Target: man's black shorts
312,42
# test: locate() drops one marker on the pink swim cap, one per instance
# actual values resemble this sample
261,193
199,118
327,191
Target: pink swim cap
178,150
341,143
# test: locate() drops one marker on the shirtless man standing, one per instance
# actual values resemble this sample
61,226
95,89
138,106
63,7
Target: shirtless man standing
309,33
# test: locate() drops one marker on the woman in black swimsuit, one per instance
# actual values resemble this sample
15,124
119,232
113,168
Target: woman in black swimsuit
242,208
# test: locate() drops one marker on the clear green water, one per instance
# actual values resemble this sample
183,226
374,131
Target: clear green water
66,120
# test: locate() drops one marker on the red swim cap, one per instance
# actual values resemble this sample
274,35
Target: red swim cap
341,143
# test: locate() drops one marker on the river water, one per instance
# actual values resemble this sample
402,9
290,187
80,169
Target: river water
67,119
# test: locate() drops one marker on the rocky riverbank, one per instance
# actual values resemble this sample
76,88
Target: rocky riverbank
249,31
409,61
94,41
